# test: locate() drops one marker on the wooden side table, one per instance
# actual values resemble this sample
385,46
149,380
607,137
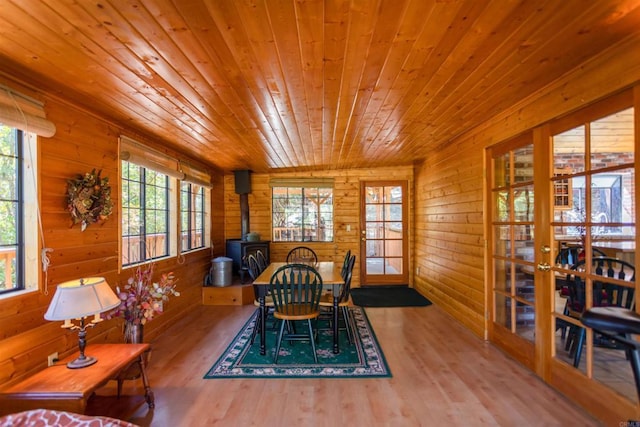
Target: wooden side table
58,387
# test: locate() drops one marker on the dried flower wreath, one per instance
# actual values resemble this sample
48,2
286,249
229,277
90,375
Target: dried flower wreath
89,198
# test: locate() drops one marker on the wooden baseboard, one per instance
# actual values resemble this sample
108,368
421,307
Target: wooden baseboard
228,295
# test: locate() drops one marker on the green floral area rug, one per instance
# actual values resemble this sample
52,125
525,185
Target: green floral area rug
364,358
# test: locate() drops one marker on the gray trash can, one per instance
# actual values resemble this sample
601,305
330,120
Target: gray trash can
222,271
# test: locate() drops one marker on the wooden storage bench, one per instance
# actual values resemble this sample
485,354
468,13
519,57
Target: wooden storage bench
237,294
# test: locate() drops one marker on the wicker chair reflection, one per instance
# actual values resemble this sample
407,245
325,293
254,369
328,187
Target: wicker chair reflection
302,254
296,291
604,294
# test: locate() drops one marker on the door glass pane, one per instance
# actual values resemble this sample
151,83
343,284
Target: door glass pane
523,164
393,230
374,212
502,311
569,150
502,240
501,279
612,134
525,310
393,266
523,242
393,194
612,368
374,195
374,248
502,205
523,203
393,248
501,175
374,230
394,213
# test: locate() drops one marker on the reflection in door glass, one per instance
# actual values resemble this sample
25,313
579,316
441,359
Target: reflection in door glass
523,203
502,240
502,205
523,164
523,236
569,150
594,216
609,134
525,310
501,281
513,210
502,313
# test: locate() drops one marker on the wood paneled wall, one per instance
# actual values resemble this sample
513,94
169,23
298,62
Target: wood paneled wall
449,185
346,210
84,142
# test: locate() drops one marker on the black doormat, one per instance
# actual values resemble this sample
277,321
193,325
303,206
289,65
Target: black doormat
388,296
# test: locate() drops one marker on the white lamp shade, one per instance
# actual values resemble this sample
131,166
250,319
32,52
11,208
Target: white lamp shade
81,298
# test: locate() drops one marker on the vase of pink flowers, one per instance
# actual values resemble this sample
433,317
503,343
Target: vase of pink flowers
142,299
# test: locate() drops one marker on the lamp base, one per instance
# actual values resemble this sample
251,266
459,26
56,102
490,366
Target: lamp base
81,362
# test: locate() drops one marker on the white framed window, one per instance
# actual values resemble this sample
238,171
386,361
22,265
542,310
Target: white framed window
146,219
19,261
22,121
193,217
302,210
154,225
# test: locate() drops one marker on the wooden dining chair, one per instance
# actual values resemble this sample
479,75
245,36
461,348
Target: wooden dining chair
296,290
604,294
326,302
568,257
302,254
254,270
345,262
262,260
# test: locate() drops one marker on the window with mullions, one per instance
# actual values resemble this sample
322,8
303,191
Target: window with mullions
192,216
145,214
11,210
302,214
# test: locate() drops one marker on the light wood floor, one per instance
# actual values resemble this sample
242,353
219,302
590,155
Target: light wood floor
442,375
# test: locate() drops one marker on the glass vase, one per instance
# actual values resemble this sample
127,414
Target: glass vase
133,333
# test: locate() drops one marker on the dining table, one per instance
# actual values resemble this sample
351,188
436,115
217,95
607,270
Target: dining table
331,273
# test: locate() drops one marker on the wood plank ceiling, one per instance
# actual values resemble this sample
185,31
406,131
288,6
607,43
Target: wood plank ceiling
303,84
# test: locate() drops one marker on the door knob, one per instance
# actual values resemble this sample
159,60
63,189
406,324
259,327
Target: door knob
544,267
545,249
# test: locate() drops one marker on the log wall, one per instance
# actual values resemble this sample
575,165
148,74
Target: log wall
346,211
84,142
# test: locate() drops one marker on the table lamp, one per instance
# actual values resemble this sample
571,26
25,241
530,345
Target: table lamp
78,299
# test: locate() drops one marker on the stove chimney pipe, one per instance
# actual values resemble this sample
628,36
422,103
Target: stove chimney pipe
243,188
